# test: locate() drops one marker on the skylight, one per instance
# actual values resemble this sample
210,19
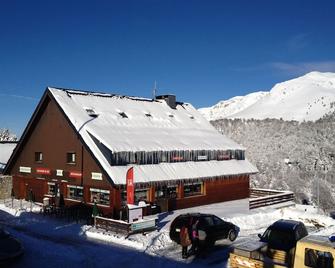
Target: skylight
123,115
91,112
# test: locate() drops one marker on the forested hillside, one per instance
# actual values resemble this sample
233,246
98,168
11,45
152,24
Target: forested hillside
289,155
6,135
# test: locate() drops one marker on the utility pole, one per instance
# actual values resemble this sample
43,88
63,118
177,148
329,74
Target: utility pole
154,91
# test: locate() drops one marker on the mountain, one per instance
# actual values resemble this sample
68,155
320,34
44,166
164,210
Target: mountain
308,98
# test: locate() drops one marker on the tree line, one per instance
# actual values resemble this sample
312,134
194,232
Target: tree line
289,155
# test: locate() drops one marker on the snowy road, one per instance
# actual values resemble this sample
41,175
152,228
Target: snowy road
51,242
50,251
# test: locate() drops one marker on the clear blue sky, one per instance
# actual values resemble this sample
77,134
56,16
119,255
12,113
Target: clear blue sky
202,51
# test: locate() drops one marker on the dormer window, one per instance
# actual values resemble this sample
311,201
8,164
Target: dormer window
123,115
91,112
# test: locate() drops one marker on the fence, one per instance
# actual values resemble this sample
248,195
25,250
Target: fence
264,197
126,228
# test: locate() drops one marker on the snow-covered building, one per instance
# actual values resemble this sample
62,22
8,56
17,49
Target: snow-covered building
6,149
81,144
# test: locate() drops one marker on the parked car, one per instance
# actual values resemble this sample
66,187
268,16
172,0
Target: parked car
10,247
213,227
276,248
283,234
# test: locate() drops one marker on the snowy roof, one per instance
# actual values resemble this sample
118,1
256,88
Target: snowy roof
134,124
183,171
148,126
6,150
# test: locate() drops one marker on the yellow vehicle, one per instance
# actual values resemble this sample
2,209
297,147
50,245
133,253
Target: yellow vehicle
312,251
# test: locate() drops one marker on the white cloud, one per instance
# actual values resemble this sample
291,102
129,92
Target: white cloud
18,96
300,68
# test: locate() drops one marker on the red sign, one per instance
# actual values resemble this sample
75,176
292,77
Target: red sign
177,158
44,171
130,186
223,157
75,174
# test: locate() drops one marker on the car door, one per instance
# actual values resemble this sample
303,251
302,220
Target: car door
221,227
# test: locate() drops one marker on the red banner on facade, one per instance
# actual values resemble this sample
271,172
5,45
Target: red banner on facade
130,186
44,171
76,175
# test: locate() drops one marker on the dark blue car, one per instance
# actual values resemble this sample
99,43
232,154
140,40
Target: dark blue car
212,226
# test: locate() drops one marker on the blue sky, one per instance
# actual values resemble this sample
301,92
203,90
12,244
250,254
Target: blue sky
202,51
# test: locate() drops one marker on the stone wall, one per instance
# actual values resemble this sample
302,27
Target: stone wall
5,186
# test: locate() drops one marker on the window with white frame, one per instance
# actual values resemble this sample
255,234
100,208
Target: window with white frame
192,189
75,192
100,196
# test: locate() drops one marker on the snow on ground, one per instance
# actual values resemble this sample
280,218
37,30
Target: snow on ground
51,242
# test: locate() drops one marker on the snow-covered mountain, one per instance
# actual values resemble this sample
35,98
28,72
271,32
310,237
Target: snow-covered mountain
308,97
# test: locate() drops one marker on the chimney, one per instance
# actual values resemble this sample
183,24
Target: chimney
170,100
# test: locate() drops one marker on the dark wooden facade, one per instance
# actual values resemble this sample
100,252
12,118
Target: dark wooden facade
51,133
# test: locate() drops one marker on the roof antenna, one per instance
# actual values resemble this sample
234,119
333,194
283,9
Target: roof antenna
154,91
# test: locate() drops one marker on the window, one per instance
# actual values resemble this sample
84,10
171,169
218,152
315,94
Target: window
71,158
75,192
192,189
318,259
166,191
217,220
209,221
100,196
140,195
52,188
38,157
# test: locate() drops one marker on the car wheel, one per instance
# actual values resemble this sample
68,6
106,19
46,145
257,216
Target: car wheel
232,235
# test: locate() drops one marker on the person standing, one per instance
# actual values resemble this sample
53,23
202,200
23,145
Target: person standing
195,237
185,241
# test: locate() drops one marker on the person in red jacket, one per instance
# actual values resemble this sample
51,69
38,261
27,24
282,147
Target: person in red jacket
185,241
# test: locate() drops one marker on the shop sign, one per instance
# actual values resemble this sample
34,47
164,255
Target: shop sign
223,157
75,174
44,171
25,169
202,157
130,186
59,172
96,176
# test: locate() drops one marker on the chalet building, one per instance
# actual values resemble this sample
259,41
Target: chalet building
81,144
